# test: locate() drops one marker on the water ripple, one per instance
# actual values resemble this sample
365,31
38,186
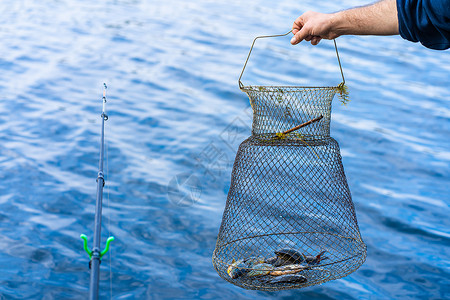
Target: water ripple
172,69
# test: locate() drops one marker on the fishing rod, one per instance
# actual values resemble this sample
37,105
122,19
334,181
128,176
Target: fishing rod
95,255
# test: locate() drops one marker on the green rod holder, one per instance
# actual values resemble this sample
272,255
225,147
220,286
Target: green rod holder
90,252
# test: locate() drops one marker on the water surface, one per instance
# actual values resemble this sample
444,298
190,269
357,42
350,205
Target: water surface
176,119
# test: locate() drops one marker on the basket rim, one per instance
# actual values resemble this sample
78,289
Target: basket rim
291,88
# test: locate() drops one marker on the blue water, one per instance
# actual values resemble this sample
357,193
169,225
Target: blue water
176,119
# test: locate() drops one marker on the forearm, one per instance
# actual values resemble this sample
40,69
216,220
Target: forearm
379,18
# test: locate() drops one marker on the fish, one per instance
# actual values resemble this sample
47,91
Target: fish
288,269
290,256
237,269
287,279
260,270
253,260
275,261
314,260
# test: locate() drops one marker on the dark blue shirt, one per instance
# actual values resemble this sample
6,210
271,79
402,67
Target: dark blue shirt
425,21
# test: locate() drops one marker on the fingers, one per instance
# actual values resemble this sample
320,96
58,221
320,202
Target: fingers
312,27
301,35
298,24
315,40
297,38
300,29
296,28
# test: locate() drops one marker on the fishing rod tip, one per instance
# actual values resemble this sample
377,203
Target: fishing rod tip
104,90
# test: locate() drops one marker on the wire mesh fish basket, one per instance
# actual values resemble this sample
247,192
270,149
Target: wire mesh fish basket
289,220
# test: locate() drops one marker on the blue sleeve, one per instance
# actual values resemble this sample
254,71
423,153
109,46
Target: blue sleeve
425,21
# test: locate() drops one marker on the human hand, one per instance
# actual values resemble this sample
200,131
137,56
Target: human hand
313,27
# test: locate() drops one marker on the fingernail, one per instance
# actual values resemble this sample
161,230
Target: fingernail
293,40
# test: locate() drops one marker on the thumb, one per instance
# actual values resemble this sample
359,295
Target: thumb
299,36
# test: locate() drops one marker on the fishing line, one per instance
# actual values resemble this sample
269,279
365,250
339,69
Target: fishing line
108,204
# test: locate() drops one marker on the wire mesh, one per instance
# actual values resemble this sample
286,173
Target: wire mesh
289,220
277,109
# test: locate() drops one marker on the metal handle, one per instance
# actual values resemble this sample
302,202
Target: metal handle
241,86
